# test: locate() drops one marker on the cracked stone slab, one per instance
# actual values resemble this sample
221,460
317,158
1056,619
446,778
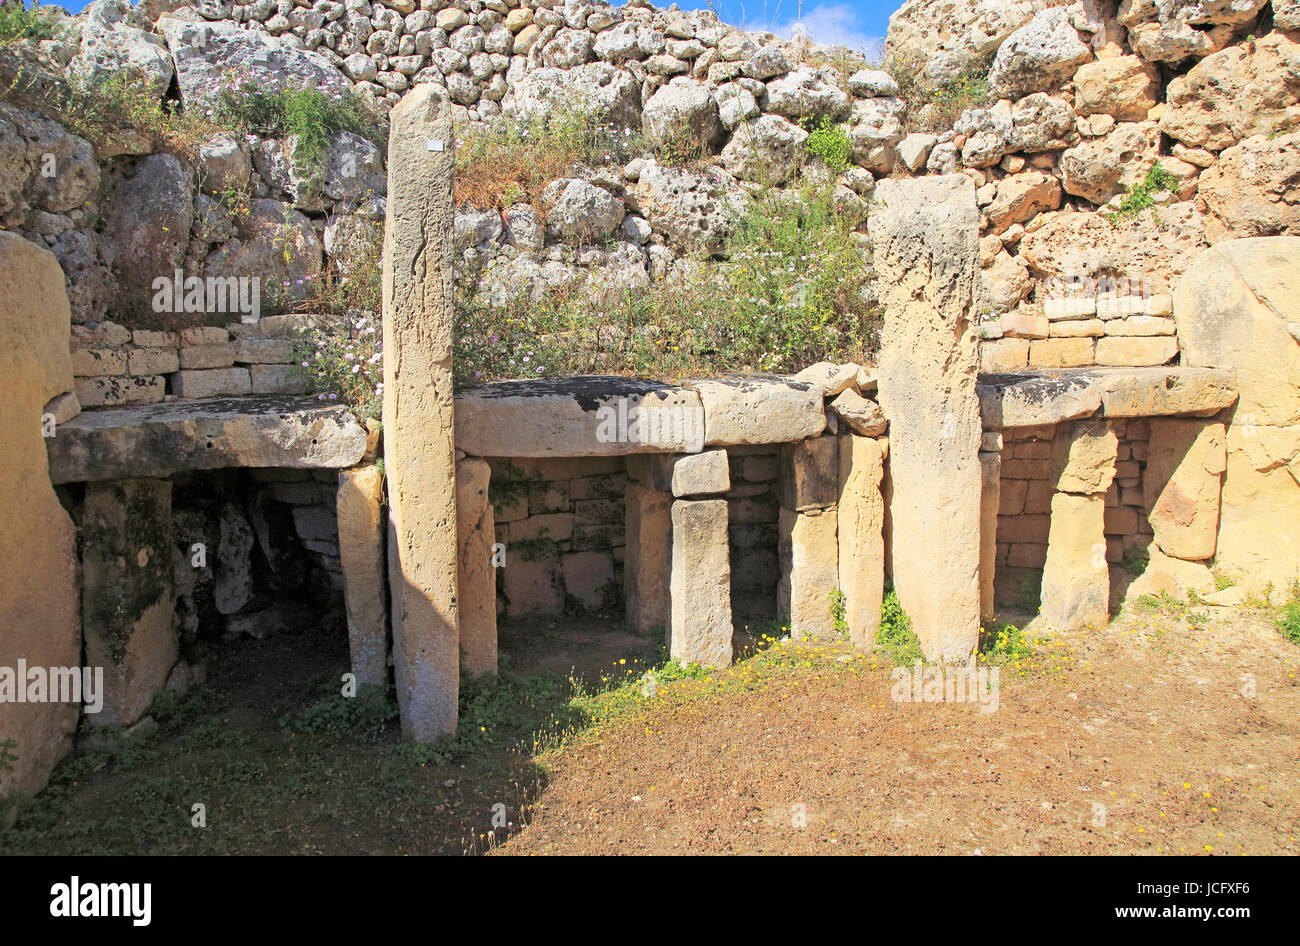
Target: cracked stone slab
1033,398
159,440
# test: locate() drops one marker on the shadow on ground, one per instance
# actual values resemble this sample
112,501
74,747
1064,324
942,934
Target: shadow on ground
282,764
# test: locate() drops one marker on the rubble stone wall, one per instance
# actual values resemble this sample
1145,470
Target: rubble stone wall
1085,98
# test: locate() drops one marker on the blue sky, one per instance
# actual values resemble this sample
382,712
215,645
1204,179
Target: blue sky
854,23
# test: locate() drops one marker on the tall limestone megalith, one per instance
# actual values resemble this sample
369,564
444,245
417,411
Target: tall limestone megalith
925,253
39,620
418,429
1238,306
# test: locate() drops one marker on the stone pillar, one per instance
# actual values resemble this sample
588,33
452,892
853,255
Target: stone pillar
861,524
476,531
359,507
1076,576
645,563
128,593
990,500
808,553
925,252
39,620
418,422
1238,306
807,544
699,619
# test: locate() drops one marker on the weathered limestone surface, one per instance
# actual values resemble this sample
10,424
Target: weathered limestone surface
1083,457
1165,575
702,474
418,417
1036,398
829,377
925,251
760,410
1236,306
1186,460
1152,392
578,417
861,536
1232,308
990,499
645,568
1032,399
362,547
1076,576
862,415
128,594
808,553
699,628
160,440
810,473
653,469
39,619
477,576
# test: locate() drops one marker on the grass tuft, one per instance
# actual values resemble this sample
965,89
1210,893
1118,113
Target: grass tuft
895,637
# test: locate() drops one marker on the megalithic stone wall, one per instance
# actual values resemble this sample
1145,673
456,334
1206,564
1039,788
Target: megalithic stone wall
418,426
925,252
1239,306
39,621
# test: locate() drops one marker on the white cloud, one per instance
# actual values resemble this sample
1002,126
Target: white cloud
835,24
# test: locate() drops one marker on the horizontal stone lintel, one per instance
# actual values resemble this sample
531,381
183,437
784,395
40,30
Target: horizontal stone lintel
583,416
1035,398
605,415
159,440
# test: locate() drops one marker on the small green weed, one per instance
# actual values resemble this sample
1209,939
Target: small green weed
895,637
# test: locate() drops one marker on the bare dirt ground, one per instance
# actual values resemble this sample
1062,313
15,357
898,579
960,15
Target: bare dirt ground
797,749
1142,737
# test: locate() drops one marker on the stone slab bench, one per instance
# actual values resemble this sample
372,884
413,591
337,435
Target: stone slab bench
159,440
1034,398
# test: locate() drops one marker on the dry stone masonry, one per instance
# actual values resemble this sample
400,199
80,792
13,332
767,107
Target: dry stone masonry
1087,387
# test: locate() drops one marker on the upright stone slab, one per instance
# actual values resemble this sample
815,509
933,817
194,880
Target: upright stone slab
1076,575
418,421
477,575
1238,307
861,536
699,628
990,499
645,564
128,593
1083,457
39,619
808,553
359,507
810,473
925,252
1186,458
